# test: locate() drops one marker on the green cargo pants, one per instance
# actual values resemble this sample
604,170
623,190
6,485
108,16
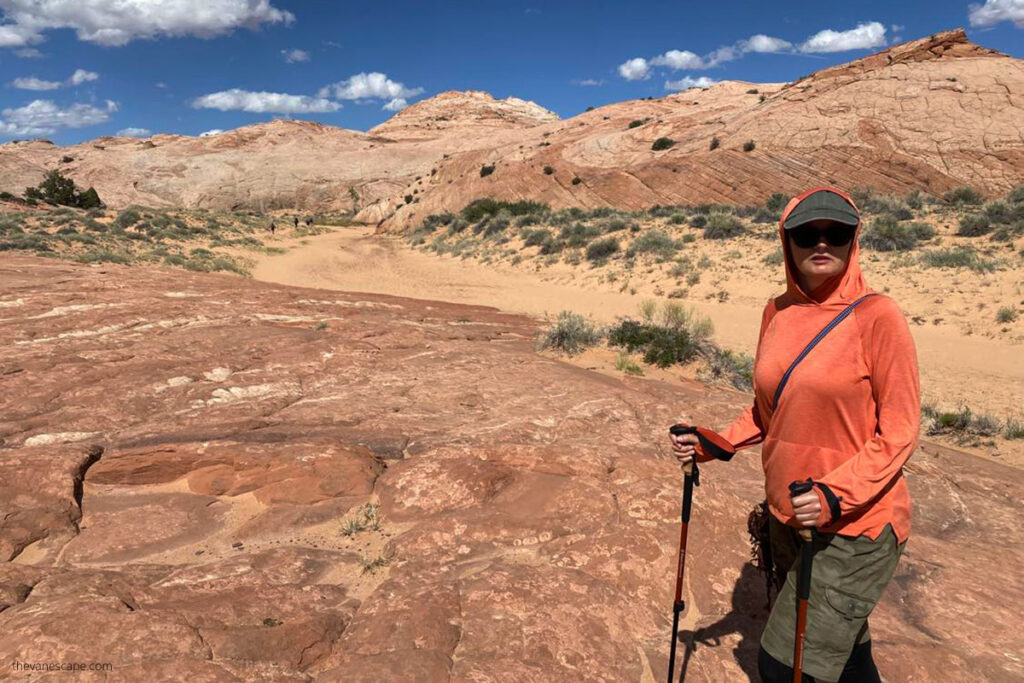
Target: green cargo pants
847,579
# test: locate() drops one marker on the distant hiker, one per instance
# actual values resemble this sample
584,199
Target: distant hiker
309,221
296,218
272,227
846,423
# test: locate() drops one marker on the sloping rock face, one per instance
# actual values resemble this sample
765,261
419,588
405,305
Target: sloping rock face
928,115
181,453
278,165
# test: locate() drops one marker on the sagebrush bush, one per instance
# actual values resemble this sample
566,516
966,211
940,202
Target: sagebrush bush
714,144
653,241
723,226
776,202
578,234
974,225
571,333
478,209
963,196
602,249
749,146
699,220
734,369
1006,314
534,238
960,257
885,233
676,336
486,170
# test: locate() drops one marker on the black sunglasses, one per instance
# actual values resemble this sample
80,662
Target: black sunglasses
806,237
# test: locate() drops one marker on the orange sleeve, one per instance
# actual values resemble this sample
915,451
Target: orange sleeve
892,361
749,429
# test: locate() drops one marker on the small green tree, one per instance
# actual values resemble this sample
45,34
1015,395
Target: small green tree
662,143
89,199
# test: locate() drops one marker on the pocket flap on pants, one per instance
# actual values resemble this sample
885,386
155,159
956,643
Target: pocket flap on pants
848,604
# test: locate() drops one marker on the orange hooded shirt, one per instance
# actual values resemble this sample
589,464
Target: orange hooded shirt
849,415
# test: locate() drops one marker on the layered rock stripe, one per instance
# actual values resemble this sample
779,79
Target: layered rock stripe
182,451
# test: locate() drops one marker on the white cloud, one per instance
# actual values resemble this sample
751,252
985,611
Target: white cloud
82,76
208,133
865,36
28,53
636,69
118,22
364,86
134,133
295,55
687,82
396,104
763,43
679,59
995,11
264,102
589,82
33,83
639,68
897,28
43,117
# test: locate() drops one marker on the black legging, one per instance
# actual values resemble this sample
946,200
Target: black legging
859,668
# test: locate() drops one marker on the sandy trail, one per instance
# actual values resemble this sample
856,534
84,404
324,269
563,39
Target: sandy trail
986,374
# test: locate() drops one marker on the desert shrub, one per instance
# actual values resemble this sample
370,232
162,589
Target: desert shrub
1016,195
776,202
714,143
576,181
774,258
496,224
548,170
962,196
486,170
602,249
734,369
920,231
434,220
885,233
636,123
961,424
998,212
678,219
535,238
960,257
766,215
749,146
552,246
478,209
676,336
571,333
662,143
974,225
623,363
408,199
1006,314
914,200
1008,233
103,255
723,226
127,218
579,234
1014,429
653,241
699,220
457,226
614,224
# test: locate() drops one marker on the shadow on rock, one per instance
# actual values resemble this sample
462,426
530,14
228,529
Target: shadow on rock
747,618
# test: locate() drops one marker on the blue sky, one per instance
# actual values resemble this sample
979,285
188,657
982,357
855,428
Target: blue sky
73,70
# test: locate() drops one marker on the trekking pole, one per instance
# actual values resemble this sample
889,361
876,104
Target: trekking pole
803,592
691,478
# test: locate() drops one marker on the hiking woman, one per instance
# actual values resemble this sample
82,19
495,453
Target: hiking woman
848,419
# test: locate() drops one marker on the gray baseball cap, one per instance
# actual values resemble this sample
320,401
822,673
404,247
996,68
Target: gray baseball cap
822,204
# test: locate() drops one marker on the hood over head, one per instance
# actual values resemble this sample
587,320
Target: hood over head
843,288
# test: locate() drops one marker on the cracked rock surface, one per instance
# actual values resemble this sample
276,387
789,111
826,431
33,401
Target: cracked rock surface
190,461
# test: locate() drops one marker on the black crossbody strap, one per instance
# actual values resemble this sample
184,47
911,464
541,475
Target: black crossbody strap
814,342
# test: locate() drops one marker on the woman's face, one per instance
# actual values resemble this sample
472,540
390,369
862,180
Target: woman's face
818,263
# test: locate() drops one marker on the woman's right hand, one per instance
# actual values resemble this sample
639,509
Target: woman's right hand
684,447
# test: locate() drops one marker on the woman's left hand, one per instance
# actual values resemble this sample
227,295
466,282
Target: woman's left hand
807,508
